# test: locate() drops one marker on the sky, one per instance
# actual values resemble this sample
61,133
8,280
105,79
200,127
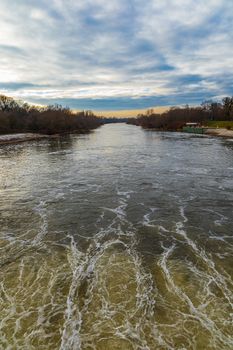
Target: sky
113,55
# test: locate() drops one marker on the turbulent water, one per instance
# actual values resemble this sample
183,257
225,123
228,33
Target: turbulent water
119,239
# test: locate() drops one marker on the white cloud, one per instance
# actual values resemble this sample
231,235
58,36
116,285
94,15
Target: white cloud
118,48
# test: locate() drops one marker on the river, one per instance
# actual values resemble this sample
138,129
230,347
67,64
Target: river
117,239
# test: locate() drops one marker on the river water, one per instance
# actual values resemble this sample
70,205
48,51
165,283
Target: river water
118,239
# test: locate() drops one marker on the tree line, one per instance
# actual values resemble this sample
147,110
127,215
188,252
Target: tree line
17,116
176,117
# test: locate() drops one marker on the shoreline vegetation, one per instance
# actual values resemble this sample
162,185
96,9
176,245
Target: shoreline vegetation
18,117
20,122
215,117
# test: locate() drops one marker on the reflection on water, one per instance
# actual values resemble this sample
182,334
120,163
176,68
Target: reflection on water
120,239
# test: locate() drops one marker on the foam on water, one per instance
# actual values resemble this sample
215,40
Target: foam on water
111,297
105,297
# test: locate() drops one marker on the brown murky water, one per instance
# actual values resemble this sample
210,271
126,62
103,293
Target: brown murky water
120,239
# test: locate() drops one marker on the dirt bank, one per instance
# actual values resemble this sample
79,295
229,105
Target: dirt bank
219,132
16,138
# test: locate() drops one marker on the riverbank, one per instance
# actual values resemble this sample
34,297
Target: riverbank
24,137
221,132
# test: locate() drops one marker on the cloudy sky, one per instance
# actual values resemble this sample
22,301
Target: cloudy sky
116,54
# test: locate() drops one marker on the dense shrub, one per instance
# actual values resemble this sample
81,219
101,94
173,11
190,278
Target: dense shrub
177,117
16,116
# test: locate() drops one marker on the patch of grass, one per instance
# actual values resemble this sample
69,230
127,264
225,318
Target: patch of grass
220,124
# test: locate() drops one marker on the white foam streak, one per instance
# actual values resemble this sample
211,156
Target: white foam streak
218,278
111,244
217,336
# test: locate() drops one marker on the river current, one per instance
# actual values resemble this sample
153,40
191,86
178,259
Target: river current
117,239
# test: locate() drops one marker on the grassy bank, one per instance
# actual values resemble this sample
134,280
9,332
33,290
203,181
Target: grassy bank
219,124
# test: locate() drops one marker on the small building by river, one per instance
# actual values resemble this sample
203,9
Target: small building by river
194,128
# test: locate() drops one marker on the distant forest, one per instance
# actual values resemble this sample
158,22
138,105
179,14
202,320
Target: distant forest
176,117
17,116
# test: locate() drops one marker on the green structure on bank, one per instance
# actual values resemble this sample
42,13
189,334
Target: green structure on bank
194,128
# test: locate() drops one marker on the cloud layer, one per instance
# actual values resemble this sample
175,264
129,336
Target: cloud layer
116,54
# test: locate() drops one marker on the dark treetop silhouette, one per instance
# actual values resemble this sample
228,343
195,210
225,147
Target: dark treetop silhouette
18,116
